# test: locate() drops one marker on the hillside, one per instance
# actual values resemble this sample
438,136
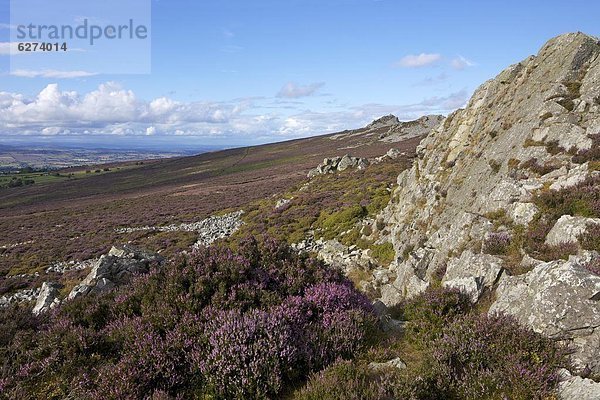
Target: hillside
73,220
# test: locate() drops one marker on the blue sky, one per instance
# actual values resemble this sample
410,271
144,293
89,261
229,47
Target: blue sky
242,72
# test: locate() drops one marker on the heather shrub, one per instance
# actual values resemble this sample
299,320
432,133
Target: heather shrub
593,154
591,239
497,243
334,224
582,200
428,313
346,380
384,253
216,323
482,356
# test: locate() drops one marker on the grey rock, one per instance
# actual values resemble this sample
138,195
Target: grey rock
558,299
576,388
396,363
115,268
522,213
48,297
568,229
473,273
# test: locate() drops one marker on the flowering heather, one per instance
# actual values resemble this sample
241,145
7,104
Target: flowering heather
482,356
218,323
497,243
428,313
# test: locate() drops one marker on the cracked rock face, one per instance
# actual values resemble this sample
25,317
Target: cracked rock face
48,297
473,273
561,300
465,168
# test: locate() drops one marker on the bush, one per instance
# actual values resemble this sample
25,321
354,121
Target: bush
497,243
428,313
591,239
384,253
594,266
218,323
493,357
346,380
341,221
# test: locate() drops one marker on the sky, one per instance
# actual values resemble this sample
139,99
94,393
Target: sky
240,72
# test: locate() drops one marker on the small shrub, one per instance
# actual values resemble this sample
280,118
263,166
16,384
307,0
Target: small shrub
591,239
346,380
429,312
534,166
497,243
495,165
482,356
594,266
384,253
335,223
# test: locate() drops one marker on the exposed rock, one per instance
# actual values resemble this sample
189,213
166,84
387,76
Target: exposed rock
568,229
338,164
209,230
559,299
465,168
385,121
62,267
572,177
282,202
396,363
21,296
48,297
473,273
576,388
117,267
522,213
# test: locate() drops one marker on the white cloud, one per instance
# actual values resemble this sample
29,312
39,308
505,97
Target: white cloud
113,110
8,48
461,63
52,74
419,60
292,90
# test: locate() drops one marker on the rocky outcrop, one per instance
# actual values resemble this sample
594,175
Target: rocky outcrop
21,296
338,164
48,297
560,299
576,388
568,229
218,227
117,267
209,230
472,165
384,122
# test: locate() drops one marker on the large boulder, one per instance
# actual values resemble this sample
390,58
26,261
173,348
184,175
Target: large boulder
48,297
576,388
473,273
568,229
559,299
115,268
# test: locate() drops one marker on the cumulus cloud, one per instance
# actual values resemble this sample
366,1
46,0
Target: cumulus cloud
113,110
52,74
461,63
419,60
292,90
